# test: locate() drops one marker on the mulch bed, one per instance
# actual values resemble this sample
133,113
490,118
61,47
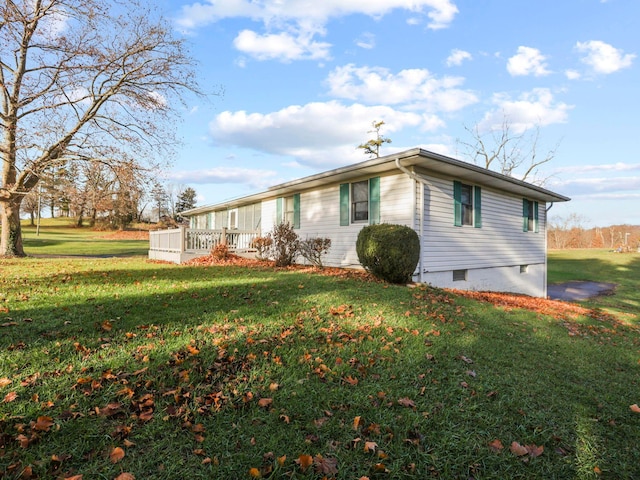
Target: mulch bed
236,260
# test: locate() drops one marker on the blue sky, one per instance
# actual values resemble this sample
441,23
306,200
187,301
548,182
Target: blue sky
301,82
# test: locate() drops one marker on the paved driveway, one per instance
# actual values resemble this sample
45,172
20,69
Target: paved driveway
577,291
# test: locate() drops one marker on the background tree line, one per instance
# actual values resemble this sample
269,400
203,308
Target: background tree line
97,195
570,232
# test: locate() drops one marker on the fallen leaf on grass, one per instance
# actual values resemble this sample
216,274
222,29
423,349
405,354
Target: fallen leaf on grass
305,461
123,476
110,410
23,440
357,422
254,473
407,402
496,445
532,450
326,466
10,397
517,449
635,408
265,402
370,446
4,382
116,455
43,424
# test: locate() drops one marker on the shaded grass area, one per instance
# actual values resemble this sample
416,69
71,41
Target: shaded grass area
58,236
235,372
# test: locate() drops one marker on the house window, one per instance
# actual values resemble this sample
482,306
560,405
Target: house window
288,210
530,216
360,202
233,218
467,205
466,200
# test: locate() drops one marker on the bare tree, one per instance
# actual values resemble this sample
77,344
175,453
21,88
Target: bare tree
31,204
502,150
83,80
372,146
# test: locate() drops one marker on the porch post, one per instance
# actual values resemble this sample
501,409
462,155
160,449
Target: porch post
183,238
223,240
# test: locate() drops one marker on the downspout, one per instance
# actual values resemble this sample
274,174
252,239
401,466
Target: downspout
546,248
421,180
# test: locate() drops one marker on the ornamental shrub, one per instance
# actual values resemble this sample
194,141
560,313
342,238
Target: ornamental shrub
285,246
220,252
390,252
262,246
312,249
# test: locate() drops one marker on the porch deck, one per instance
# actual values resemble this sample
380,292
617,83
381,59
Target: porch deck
182,244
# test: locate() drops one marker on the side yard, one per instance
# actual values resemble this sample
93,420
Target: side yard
123,366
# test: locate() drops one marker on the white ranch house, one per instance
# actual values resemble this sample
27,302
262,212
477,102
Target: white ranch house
479,230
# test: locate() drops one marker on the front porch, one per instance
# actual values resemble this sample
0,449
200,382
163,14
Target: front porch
179,245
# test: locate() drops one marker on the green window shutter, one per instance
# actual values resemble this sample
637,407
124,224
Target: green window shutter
374,200
457,203
279,202
525,215
296,210
535,217
477,207
344,204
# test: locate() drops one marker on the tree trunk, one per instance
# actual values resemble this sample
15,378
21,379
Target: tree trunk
11,237
94,215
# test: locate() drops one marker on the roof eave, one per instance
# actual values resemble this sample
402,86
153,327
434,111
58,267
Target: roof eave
416,157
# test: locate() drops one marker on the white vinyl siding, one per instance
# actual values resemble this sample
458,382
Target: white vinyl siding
500,242
320,216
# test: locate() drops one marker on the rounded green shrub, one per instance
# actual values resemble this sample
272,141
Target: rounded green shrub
390,252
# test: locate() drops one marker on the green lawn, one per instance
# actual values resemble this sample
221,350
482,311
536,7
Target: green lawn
237,372
600,265
57,237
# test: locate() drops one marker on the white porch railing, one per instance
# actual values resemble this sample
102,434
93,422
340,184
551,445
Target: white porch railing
178,244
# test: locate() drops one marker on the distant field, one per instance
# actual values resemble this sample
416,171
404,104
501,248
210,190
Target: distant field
59,236
600,265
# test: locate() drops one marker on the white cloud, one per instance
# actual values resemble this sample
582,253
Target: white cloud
457,57
413,88
256,178
317,134
291,26
534,108
572,74
283,46
621,187
366,40
604,58
528,61
608,167
276,12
